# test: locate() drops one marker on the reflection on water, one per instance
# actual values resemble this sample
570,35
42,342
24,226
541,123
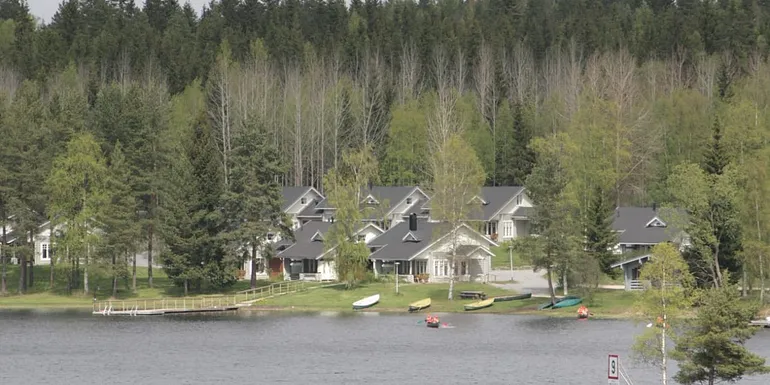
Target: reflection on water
64,347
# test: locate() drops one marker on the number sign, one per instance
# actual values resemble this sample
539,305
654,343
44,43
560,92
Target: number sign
612,367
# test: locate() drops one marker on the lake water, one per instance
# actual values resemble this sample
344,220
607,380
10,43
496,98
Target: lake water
320,348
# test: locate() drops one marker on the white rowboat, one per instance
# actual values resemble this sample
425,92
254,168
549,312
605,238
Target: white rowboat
366,302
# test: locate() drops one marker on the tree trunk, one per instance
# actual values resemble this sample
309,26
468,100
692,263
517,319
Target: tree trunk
745,278
451,277
85,270
114,276
71,272
31,281
149,257
133,274
566,289
185,287
761,261
22,272
664,373
550,285
253,266
4,273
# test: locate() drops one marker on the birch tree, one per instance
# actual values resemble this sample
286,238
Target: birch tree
345,185
77,188
457,179
665,301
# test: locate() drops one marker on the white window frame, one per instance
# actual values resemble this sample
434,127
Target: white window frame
440,267
303,201
507,228
45,251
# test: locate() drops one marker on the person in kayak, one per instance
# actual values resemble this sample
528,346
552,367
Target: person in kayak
582,311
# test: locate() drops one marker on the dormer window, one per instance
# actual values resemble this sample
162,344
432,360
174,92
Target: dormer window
303,201
317,237
409,201
410,237
370,200
361,237
656,222
478,199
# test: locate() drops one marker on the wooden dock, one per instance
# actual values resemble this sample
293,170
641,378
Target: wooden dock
188,305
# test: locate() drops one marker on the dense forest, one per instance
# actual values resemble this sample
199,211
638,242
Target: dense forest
145,114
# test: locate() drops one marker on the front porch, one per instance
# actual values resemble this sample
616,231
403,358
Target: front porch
308,270
506,229
631,272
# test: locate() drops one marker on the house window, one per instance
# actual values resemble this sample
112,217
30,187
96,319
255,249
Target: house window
409,201
461,268
361,237
440,267
507,227
270,236
518,199
403,268
421,267
309,266
491,228
303,201
44,252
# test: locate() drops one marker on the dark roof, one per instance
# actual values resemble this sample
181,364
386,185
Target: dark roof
396,245
291,194
393,195
632,221
311,210
641,258
307,246
494,199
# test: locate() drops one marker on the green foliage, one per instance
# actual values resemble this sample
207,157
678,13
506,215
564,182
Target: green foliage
712,348
713,220
345,186
664,303
600,237
553,220
405,160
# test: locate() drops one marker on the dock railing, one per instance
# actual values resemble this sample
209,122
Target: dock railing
199,302
280,288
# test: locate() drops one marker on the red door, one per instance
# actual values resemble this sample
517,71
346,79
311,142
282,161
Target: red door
276,267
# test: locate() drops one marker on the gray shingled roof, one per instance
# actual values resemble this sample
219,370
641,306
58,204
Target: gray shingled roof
305,247
291,194
393,195
495,197
310,211
392,247
632,222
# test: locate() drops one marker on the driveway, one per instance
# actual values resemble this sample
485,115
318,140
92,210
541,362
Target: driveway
526,281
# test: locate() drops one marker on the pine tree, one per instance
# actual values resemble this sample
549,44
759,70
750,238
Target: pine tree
600,238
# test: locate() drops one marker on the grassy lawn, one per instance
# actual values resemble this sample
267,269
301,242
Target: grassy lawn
337,298
502,259
41,295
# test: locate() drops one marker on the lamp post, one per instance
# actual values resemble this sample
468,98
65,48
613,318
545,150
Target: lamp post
395,266
510,256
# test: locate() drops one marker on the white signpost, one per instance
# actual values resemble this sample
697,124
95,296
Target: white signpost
613,370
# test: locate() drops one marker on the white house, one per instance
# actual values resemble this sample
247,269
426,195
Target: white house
300,202
641,228
308,257
44,249
423,249
388,205
504,211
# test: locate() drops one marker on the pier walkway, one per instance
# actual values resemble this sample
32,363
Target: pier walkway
200,304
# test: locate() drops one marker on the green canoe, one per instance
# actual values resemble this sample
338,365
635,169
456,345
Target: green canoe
513,297
480,304
549,305
567,302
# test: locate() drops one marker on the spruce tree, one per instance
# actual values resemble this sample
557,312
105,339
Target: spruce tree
716,157
253,201
600,238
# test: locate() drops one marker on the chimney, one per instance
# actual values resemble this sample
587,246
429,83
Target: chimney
654,206
412,222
